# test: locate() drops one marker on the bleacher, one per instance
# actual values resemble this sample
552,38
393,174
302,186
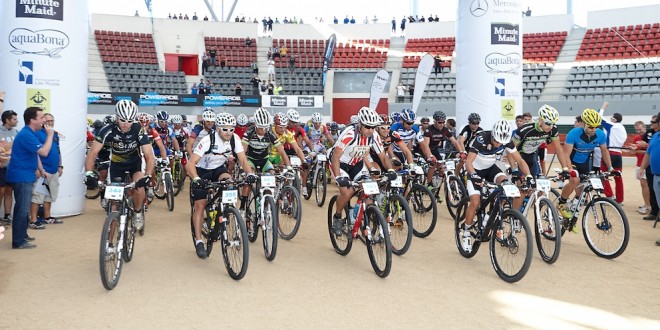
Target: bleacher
620,42
614,82
309,52
361,54
417,47
543,47
238,54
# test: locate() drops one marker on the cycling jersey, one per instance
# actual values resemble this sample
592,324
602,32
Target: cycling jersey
166,135
583,145
356,146
124,147
286,139
198,132
181,136
406,135
391,138
240,130
316,135
487,154
468,134
219,152
258,147
437,137
530,136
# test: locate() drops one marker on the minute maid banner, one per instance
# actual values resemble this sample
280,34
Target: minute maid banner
43,60
489,60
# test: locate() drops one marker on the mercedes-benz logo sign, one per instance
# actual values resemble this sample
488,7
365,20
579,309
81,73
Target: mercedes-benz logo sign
478,8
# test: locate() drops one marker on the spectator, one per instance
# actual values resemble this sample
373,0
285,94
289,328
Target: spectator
616,137
248,41
352,20
174,16
437,19
283,51
527,117
638,148
212,55
206,18
652,159
7,134
255,67
292,63
285,21
278,89
366,20
437,63
223,62
411,90
169,16
422,20
265,24
578,121
271,69
270,24
238,89
22,170
201,88
269,53
205,63
209,87
276,52
653,214
393,25
186,17
263,87
180,16
51,166
193,89
520,120
195,16
374,20
403,25
255,85
346,20
137,14
271,88
336,21
528,13
400,92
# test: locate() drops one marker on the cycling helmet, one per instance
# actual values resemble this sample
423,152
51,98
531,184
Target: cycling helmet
184,118
502,131
368,116
208,115
293,115
334,126
408,115
424,120
126,110
225,119
317,118
548,114
591,117
242,120
176,120
394,117
162,115
97,125
144,118
439,116
354,119
281,119
251,120
384,119
89,122
262,118
474,117
109,119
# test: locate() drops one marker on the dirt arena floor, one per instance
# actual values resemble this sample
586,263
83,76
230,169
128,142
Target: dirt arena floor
309,286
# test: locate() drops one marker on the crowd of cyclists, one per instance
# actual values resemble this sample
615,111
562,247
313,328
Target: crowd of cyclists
242,148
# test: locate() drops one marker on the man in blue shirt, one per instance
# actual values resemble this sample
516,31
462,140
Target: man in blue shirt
652,158
22,171
51,166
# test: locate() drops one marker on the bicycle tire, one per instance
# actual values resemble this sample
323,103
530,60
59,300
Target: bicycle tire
235,246
251,215
343,243
169,191
604,229
290,213
110,265
309,185
179,177
455,191
458,230
547,230
321,186
297,184
160,191
512,221
269,234
379,246
93,193
400,226
416,197
129,236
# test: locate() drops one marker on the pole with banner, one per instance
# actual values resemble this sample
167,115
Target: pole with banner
421,78
377,86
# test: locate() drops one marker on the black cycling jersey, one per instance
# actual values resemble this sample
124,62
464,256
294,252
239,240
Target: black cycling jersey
437,136
469,134
258,147
124,147
530,136
487,154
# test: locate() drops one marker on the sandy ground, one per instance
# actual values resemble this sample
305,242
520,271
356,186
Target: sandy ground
308,285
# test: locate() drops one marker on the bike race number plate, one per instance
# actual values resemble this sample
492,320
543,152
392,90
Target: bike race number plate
398,183
544,185
511,190
229,196
450,165
596,183
295,161
418,170
268,181
370,188
114,193
321,157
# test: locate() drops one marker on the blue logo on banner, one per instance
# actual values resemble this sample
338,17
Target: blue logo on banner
25,72
216,100
500,84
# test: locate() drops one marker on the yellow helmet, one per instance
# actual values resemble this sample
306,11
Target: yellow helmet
591,117
89,121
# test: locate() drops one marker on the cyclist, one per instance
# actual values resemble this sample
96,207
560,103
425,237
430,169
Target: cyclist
578,149
284,137
301,136
316,132
334,132
201,130
166,134
389,137
407,131
128,143
485,150
243,122
209,162
347,158
434,136
468,132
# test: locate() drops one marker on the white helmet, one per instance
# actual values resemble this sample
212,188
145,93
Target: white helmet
317,118
126,110
262,118
354,119
176,120
369,117
225,119
548,114
293,115
208,115
242,120
502,131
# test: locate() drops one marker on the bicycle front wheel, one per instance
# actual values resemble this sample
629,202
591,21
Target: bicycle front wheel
129,237
93,193
341,243
399,218
169,191
379,246
110,259
290,212
424,210
270,228
251,215
511,246
160,191
235,250
321,186
548,230
605,228
179,178
455,192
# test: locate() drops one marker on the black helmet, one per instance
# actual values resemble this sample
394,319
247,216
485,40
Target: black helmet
439,116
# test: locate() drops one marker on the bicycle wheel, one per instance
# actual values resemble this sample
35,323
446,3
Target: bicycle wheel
93,193
399,219
548,230
179,178
421,200
270,228
605,228
379,246
251,215
297,184
160,191
511,254
309,185
129,236
342,243
321,186
290,212
235,250
458,231
110,259
454,192
169,191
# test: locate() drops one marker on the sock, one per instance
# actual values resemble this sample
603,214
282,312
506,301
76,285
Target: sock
197,241
337,215
561,200
6,215
243,201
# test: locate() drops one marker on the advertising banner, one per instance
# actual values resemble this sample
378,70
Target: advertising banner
377,85
164,100
43,60
292,101
421,78
489,60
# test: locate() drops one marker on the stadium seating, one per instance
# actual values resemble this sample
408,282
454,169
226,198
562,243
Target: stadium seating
620,42
361,54
309,52
543,47
126,47
614,81
237,53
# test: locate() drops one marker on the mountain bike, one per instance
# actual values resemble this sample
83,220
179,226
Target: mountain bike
317,179
164,188
288,205
261,212
547,223
397,213
178,172
421,201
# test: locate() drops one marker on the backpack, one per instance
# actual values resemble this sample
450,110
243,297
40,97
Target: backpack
212,137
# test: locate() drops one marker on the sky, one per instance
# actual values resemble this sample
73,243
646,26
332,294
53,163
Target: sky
311,9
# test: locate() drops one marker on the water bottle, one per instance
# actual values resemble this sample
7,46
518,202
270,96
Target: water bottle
354,214
522,207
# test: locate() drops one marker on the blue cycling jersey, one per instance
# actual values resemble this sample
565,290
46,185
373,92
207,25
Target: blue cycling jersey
583,145
406,135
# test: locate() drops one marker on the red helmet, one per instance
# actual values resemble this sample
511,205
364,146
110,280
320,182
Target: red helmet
385,119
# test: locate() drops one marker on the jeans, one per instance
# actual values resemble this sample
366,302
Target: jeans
22,196
653,197
656,188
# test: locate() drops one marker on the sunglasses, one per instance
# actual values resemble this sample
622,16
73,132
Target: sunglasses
408,123
384,127
369,127
474,123
654,121
593,127
126,121
548,123
227,130
440,122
